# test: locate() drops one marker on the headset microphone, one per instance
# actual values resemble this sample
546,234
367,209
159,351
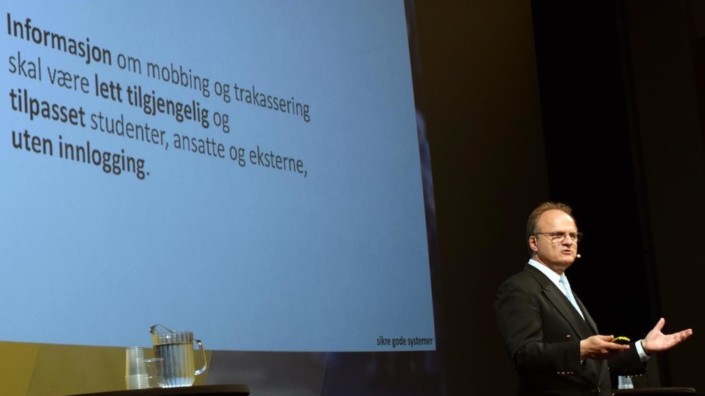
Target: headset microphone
577,256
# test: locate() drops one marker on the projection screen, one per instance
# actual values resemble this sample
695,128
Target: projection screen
246,170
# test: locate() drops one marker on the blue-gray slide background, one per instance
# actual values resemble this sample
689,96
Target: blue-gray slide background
248,258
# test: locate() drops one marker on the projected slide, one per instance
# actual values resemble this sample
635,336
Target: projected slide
246,170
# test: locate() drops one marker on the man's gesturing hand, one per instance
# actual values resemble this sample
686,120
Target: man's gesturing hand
656,341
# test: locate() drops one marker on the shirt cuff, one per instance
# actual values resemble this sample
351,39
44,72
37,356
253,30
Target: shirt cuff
640,350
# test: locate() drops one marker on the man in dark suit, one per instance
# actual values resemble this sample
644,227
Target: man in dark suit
552,340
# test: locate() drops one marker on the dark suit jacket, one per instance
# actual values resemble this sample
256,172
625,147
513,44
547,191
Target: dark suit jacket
542,332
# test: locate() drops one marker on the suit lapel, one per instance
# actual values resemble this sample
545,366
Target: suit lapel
583,327
588,318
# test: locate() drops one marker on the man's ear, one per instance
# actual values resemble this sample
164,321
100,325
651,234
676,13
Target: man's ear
532,244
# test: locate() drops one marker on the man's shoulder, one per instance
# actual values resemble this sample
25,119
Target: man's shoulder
528,278
518,289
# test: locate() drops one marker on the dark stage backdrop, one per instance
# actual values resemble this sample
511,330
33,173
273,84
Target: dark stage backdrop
601,111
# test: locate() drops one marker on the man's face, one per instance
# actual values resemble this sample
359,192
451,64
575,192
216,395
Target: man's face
555,252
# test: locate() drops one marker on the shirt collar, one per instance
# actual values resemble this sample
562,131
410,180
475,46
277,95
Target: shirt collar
550,274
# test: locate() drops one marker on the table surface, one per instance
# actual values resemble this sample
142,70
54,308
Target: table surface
662,390
209,390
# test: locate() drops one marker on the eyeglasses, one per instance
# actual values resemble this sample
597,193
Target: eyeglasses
558,237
